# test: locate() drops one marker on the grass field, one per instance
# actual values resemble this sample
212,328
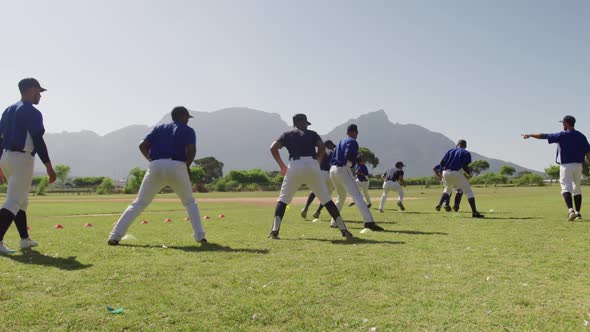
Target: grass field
521,268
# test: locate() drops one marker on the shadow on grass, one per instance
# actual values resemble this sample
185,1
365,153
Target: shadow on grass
414,232
34,257
202,248
362,222
509,218
356,240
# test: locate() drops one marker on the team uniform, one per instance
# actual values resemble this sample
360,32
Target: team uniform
21,130
168,144
446,199
325,176
391,183
344,158
362,180
303,168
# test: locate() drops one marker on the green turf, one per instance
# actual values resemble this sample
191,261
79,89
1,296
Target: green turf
522,268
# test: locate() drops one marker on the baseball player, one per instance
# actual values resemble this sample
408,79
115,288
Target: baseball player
345,157
362,180
571,150
325,168
446,198
393,179
21,137
170,148
303,169
454,163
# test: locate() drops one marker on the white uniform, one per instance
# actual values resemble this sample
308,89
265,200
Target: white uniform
18,170
391,186
570,176
364,186
344,182
305,170
457,180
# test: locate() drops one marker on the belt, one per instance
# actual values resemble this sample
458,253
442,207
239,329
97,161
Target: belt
452,170
299,157
21,151
175,159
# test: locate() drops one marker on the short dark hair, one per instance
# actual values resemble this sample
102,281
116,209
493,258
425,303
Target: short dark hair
352,127
462,143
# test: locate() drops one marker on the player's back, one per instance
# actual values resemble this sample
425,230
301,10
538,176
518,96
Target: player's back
169,141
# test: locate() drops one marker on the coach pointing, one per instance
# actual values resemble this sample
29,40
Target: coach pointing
21,137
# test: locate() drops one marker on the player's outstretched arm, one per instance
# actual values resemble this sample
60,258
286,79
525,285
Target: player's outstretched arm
274,150
537,136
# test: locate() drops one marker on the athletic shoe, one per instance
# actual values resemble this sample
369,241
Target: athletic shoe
316,215
578,216
274,235
571,216
369,206
304,213
380,211
455,208
333,224
113,242
477,215
401,206
5,250
447,208
27,243
347,234
351,204
374,227
437,208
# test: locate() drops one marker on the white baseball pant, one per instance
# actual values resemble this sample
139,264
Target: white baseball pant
570,176
364,187
18,170
389,186
304,171
457,180
326,179
344,182
162,173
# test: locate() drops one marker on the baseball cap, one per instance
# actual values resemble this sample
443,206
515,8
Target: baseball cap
352,127
400,164
27,83
180,111
569,120
329,142
300,117
462,142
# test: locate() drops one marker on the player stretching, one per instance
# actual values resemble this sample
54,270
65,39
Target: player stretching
303,169
170,148
325,168
446,198
572,148
21,137
454,163
345,157
393,179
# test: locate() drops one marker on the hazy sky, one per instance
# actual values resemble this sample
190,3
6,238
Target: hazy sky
485,71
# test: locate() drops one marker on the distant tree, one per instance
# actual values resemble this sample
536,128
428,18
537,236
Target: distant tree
197,175
552,172
507,170
42,187
479,166
106,187
213,168
530,179
522,173
134,180
89,181
62,172
585,169
368,156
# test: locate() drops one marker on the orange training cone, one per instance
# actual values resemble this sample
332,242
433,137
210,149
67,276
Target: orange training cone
58,226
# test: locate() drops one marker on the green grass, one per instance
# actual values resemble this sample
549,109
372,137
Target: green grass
522,268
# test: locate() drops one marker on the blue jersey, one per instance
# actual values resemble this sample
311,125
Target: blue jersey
300,143
393,174
169,141
346,150
437,169
18,122
572,148
362,172
456,159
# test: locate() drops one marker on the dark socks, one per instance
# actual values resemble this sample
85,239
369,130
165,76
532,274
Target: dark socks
458,198
320,209
472,204
578,202
310,199
332,210
6,218
567,197
20,220
444,199
280,209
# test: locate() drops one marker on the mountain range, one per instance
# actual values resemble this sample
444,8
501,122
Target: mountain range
241,138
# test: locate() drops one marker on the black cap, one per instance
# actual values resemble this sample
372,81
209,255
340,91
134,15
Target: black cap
179,111
352,127
329,142
399,164
300,117
27,83
570,120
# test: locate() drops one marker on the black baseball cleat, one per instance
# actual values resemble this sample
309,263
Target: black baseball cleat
401,206
351,204
447,208
304,213
203,240
477,215
578,217
274,235
316,215
374,227
455,208
347,234
437,208
370,204
113,242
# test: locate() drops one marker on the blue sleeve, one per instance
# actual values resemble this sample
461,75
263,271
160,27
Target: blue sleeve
553,138
191,137
150,137
587,149
352,150
467,158
445,159
35,124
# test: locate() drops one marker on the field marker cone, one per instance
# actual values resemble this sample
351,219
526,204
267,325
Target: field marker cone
221,216
143,222
87,225
206,217
58,226
167,220
187,219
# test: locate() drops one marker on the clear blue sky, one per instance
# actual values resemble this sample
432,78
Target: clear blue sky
481,70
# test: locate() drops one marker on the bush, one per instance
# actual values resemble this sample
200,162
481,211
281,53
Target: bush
42,187
89,181
106,187
134,180
489,178
530,180
3,188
